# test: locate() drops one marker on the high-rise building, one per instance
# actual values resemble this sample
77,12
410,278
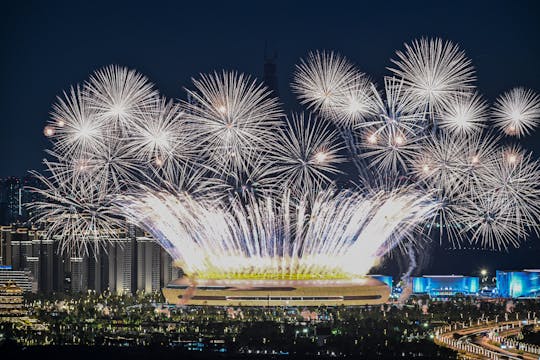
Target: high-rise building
148,264
46,265
60,263
27,196
120,266
15,194
169,272
10,200
98,270
79,272
5,245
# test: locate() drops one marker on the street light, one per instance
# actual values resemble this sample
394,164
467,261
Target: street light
483,272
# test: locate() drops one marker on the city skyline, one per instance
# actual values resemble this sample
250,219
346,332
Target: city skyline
296,180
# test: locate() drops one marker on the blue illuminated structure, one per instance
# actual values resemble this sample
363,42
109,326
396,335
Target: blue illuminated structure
385,279
514,284
445,285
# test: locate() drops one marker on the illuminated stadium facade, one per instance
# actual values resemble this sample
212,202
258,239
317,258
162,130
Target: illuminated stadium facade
384,278
514,284
252,292
445,285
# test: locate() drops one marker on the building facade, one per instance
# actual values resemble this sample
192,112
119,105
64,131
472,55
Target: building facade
148,265
445,285
22,279
515,284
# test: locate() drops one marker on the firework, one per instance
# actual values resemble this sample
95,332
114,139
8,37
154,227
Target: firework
355,104
517,112
74,127
512,178
233,188
388,149
307,154
398,113
119,95
464,113
232,116
324,80
337,235
259,179
488,219
76,211
434,70
159,137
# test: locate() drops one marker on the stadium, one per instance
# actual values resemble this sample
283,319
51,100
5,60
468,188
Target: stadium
248,292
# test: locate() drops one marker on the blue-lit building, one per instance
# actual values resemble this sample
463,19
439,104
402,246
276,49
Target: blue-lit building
385,279
445,285
514,284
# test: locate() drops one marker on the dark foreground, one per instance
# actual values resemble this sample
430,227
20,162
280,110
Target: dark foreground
103,327
135,353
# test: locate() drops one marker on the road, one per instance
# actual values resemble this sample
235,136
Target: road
480,346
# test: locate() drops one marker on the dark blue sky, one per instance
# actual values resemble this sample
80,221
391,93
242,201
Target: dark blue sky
48,46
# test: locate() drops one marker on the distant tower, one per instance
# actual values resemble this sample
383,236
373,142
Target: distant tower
148,264
120,265
79,274
270,71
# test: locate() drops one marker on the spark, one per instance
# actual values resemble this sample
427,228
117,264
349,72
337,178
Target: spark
517,112
434,70
233,116
464,114
307,154
266,239
324,81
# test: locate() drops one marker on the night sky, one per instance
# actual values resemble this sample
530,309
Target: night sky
48,46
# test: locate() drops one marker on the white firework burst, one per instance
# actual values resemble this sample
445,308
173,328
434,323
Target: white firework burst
388,149
115,168
307,154
440,162
513,176
324,80
464,114
434,70
517,112
75,211
160,138
397,111
233,118
119,95
354,105
258,180
490,222
74,127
